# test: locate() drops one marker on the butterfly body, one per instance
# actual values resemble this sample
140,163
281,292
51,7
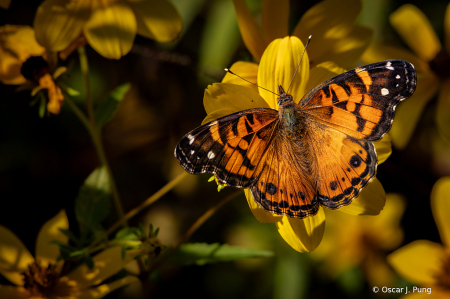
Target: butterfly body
316,152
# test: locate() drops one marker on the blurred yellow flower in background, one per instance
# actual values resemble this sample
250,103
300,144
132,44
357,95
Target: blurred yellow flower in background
23,60
40,277
362,242
5,3
427,263
332,25
108,26
17,44
432,63
277,67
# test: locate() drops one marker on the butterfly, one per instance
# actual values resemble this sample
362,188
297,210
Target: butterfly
317,152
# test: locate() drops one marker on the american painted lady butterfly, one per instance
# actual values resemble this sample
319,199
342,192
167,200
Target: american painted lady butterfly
318,151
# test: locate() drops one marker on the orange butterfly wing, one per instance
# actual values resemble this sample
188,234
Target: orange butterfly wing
231,147
361,103
346,113
283,186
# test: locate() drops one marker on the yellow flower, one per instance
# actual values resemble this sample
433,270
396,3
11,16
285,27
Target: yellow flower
331,23
40,277
277,67
362,241
23,60
108,26
427,263
432,63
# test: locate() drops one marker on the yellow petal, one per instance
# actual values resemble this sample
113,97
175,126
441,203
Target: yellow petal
45,252
111,29
277,67
415,29
408,113
304,235
327,22
421,270
322,72
386,230
104,289
259,213
15,257
383,148
447,28
59,22
106,263
378,52
370,201
17,44
443,109
250,32
347,50
231,97
5,4
440,206
157,19
13,292
274,19
246,70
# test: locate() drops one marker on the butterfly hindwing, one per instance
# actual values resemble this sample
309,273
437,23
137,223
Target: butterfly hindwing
341,168
361,103
231,147
283,186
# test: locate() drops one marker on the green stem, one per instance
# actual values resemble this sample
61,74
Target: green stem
85,71
101,153
92,129
194,227
149,200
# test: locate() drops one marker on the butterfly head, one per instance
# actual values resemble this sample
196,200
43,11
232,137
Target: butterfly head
284,99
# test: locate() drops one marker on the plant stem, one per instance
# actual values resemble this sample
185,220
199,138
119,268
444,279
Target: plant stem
149,200
194,227
92,129
84,65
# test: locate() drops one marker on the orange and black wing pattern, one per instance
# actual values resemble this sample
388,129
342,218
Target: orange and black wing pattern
361,103
231,147
283,186
344,115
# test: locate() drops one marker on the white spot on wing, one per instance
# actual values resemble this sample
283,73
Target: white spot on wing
384,91
390,68
213,123
191,139
192,152
397,77
211,155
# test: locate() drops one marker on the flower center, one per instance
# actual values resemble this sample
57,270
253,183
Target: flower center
440,64
34,68
40,280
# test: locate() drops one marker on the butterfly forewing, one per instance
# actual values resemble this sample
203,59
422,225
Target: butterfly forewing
361,103
231,147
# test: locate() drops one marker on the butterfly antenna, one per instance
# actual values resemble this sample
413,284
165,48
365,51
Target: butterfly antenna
307,43
228,71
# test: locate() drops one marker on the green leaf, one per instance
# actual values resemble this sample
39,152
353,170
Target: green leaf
94,201
202,253
42,106
128,233
105,111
